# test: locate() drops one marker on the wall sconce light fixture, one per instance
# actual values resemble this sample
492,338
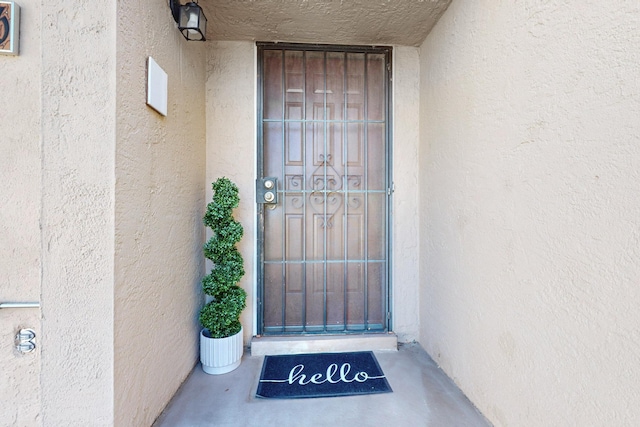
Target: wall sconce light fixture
190,18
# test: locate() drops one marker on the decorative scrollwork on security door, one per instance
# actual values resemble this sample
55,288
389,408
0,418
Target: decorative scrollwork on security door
327,193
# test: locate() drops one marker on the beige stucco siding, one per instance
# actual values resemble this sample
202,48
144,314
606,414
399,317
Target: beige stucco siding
405,218
159,204
21,156
78,143
20,192
530,183
231,145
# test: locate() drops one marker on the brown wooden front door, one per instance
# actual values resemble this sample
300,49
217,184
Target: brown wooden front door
323,134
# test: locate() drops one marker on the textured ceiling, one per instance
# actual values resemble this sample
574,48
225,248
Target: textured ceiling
370,22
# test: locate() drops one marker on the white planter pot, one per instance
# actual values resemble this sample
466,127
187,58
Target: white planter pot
220,355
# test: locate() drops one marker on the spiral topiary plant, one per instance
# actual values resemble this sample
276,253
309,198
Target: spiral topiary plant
221,316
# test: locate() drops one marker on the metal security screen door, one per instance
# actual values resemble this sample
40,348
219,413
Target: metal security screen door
323,189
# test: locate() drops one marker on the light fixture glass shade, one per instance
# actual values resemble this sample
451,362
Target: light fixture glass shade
192,22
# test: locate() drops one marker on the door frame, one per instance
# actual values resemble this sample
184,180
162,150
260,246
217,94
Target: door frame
388,52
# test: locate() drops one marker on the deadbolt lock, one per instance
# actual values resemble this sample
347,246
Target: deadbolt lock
269,196
267,190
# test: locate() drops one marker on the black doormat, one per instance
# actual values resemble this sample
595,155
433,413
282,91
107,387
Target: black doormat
321,375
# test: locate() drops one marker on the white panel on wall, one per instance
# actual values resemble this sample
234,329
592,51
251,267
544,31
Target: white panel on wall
157,81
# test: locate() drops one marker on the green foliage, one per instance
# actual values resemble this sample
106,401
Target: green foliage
221,316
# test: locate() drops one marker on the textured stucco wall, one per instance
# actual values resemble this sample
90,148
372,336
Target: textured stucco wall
343,22
405,219
231,144
530,159
159,204
20,192
78,142
231,151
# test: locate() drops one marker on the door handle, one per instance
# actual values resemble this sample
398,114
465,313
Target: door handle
19,305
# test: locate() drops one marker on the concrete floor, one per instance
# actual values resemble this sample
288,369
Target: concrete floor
422,396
